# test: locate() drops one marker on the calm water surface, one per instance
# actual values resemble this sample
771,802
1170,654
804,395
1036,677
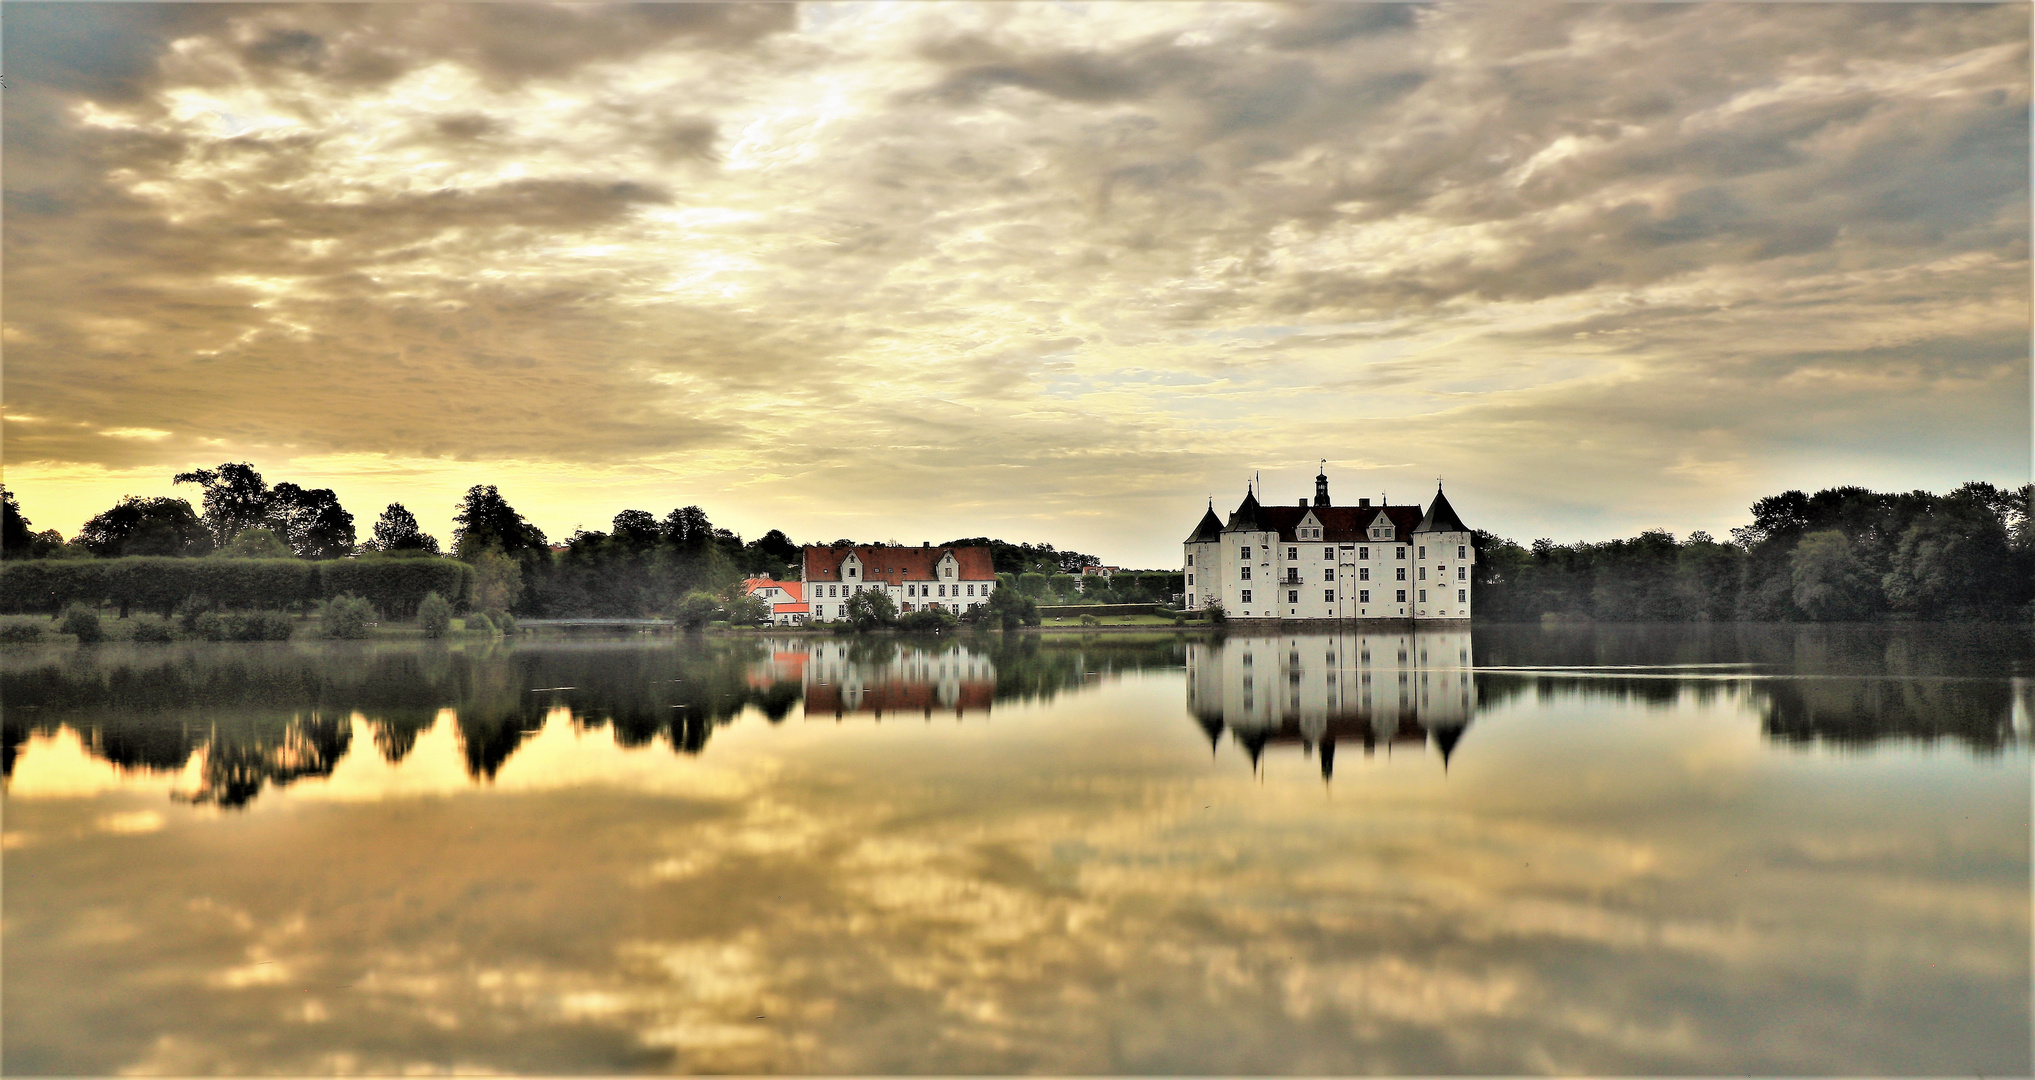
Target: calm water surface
1613,850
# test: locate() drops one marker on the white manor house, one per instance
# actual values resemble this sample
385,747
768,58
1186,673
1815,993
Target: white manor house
1321,562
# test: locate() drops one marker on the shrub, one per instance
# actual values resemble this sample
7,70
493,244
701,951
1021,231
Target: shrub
152,632
434,615
479,623
20,633
503,621
258,626
697,607
161,583
348,617
927,619
209,625
1090,620
83,622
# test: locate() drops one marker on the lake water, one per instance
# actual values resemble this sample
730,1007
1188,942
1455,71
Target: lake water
1520,850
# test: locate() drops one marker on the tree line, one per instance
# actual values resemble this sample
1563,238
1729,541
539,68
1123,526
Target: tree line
1841,554
679,565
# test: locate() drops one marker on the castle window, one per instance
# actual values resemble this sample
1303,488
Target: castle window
1462,596
1328,574
1401,552
1190,579
1423,573
1293,596
1328,553
1244,553
1462,573
1423,551
1364,597
1423,596
1402,573
1247,599
1244,572
1328,596
1190,560
1292,553
1462,551
1402,599
1363,553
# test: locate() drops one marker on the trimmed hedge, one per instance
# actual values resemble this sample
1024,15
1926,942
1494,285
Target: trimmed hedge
160,583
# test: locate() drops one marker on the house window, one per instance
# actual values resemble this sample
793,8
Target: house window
1402,573
851,571
1247,596
1462,596
1328,574
1293,596
1402,599
1363,596
1246,572
1328,596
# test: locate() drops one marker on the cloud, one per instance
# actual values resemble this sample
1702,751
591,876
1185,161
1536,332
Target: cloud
718,239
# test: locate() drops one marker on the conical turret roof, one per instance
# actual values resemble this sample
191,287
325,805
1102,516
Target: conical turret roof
1441,517
1247,517
1210,528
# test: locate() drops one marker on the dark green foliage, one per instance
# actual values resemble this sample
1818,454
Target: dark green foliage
393,584
348,618
1032,584
135,526
695,608
926,619
486,520
209,625
159,584
257,544
397,530
1842,553
20,634
434,614
1014,559
1011,609
16,539
311,521
82,621
503,621
258,626
871,610
478,623
236,499
153,631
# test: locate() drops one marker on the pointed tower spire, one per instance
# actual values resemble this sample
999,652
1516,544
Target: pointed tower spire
1321,485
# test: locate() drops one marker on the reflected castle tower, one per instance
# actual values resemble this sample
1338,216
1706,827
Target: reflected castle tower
1403,688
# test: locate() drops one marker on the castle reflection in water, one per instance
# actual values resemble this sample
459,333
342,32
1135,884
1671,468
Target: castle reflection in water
1398,689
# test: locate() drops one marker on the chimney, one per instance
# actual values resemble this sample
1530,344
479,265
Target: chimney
1303,504
1363,502
925,543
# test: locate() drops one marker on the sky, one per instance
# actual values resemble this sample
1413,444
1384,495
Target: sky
1055,272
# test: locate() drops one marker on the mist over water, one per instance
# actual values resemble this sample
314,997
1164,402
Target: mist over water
1515,849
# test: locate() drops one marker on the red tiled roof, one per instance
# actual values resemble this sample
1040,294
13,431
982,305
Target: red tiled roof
790,609
1340,524
897,565
793,589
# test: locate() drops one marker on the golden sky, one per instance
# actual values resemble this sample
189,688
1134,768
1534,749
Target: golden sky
1056,272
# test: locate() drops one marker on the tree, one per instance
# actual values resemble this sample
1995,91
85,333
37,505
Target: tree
749,610
16,541
434,614
871,609
1010,609
695,608
236,499
311,521
497,581
1830,580
256,544
153,526
1032,583
486,520
637,529
396,530
1954,562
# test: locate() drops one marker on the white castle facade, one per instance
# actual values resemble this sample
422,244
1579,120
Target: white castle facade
1319,562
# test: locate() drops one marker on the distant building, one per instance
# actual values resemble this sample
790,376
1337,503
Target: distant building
915,578
786,599
1317,561
1100,571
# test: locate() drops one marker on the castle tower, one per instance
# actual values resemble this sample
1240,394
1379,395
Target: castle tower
1321,486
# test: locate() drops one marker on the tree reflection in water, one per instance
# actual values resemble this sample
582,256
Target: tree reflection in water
259,715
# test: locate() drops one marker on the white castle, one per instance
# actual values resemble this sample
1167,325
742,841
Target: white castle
1336,563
